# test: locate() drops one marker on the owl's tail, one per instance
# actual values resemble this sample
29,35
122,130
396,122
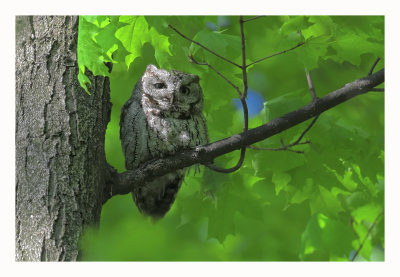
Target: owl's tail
155,198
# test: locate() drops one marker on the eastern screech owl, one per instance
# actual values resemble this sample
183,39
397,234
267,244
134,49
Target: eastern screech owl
162,116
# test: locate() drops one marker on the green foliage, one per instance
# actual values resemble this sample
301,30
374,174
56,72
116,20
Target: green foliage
325,204
95,46
136,33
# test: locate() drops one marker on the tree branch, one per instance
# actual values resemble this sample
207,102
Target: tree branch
286,147
122,183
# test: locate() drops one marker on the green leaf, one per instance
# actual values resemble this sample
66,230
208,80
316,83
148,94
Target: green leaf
368,212
301,195
337,238
293,24
136,33
221,223
234,198
325,202
322,26
311,240
371,26
314,49
99,21
346,50
281,180
277,161
373,188
83,79
225,45
346,180
106,40
326,237
90,53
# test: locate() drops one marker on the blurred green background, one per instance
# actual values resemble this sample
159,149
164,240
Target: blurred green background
280,206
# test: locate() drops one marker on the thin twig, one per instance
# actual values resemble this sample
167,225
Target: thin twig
370,73
245,114
288,146
244,104
242,152
306,130
283,148
373,66
311,86
204,47
242,100
192,60
276,54
244,71
366,236
228,170
252,18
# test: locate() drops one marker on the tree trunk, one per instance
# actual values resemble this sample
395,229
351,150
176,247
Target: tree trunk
61,171
60,129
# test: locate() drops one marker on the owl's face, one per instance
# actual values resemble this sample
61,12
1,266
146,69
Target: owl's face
171,94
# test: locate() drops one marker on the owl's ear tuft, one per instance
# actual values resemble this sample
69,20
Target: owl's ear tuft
196,78
151,68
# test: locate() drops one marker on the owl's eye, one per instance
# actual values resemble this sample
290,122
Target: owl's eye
185,90
160,85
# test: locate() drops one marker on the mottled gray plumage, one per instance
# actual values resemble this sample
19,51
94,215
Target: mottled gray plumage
162,116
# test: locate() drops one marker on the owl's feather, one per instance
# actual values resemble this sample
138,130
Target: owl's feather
162,117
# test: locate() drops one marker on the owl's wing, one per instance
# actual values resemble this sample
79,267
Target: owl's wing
133,134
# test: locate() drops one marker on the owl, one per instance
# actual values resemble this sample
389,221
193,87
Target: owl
162,116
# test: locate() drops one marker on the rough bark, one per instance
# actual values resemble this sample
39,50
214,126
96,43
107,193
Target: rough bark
59,140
